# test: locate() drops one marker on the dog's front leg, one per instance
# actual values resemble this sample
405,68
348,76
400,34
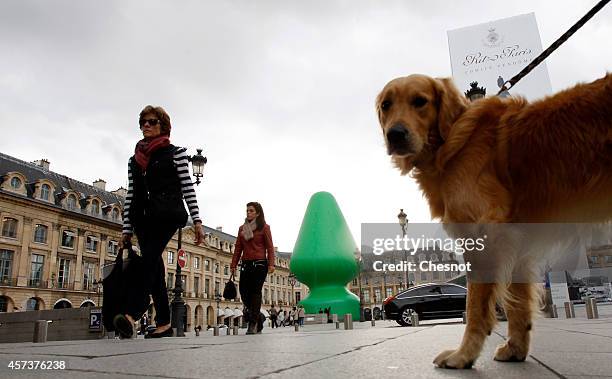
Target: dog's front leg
480,322
519,307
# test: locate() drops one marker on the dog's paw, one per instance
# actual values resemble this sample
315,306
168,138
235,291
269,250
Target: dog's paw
454,359
510,353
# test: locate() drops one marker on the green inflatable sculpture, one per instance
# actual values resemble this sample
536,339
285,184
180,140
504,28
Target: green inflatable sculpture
324,258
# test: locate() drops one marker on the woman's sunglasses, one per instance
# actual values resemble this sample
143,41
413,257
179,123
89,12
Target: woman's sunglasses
150,121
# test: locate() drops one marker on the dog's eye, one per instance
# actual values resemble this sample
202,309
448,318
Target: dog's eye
385,105
419,101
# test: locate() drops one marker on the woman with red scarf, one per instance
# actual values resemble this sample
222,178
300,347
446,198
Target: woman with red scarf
159,181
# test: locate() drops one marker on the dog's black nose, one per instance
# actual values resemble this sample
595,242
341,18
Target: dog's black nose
398,138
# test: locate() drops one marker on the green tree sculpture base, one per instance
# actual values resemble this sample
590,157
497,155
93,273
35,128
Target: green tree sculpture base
324,258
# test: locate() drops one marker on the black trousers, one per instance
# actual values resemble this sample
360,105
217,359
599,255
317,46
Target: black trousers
147,277
252,277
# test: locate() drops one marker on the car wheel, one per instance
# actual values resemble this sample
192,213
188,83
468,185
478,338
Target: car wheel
405,318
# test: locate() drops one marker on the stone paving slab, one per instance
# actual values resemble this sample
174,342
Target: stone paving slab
577,348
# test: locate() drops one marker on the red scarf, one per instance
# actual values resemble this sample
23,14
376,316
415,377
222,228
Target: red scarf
145,147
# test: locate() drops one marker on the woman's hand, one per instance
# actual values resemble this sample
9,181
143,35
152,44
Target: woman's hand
199,233
126,240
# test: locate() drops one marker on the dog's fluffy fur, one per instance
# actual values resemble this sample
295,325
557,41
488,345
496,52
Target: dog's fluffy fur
502,161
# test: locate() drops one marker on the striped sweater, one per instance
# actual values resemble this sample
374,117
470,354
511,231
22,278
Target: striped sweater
181,163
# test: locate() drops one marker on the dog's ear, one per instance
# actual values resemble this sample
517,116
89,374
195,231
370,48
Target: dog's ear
378,110
451,104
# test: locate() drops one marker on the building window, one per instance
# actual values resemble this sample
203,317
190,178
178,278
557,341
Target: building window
216,267
226,270
278,280
355,281
609,259
423,276
68,239
9,227
15,182
389,292
366,296
63,275
89,268
45,190
196,263
436,275
207,287
6,263
184,282
266,301
40,234
112,247
377,295
217,287
95,207
71,202
207,264
196,285
593,259
36,269
170,283
91,243
33,304
284,280
3,304
170,257
115,214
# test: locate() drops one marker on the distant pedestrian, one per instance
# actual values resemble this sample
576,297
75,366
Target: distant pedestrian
281,317
273,316
301,315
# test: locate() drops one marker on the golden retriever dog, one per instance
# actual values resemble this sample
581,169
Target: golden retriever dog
502,161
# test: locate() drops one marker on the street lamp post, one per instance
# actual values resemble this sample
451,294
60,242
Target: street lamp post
361,315
403,221
98,285
178,304
292,284
218,300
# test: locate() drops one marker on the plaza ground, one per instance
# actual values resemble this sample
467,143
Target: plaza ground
574,348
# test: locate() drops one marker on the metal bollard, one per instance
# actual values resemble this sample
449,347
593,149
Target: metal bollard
348,321
415,319
465,317
296,326
337,325
373,322
40,331
235,330
334,318
594,309
568,309
589,308
572,310
216,330
228,331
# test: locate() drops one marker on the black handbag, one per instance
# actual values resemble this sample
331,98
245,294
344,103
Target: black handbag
229,292
114,283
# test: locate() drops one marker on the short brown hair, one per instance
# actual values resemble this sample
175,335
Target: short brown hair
161,115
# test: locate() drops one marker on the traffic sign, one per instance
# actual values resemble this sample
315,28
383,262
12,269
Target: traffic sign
181,258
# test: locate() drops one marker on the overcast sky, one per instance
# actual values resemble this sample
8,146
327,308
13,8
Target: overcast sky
280,94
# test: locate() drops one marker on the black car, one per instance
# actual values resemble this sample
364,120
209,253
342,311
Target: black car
429,301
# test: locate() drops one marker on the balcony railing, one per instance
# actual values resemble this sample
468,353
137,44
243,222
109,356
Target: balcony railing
65,285
36,283
8,282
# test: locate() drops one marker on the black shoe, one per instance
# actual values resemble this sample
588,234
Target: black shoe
166,333
123,326
252,328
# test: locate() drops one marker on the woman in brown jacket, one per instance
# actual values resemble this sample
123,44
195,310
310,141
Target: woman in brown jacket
255,248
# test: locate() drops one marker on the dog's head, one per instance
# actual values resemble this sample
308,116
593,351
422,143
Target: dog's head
416,113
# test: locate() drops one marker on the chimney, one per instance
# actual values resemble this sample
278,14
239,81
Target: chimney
42,163
100,184
219,228
120,192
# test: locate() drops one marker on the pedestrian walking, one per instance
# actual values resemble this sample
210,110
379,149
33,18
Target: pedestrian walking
301,315
273,316
255,250
158,183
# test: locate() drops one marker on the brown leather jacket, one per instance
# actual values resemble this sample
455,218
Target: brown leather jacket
255,248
